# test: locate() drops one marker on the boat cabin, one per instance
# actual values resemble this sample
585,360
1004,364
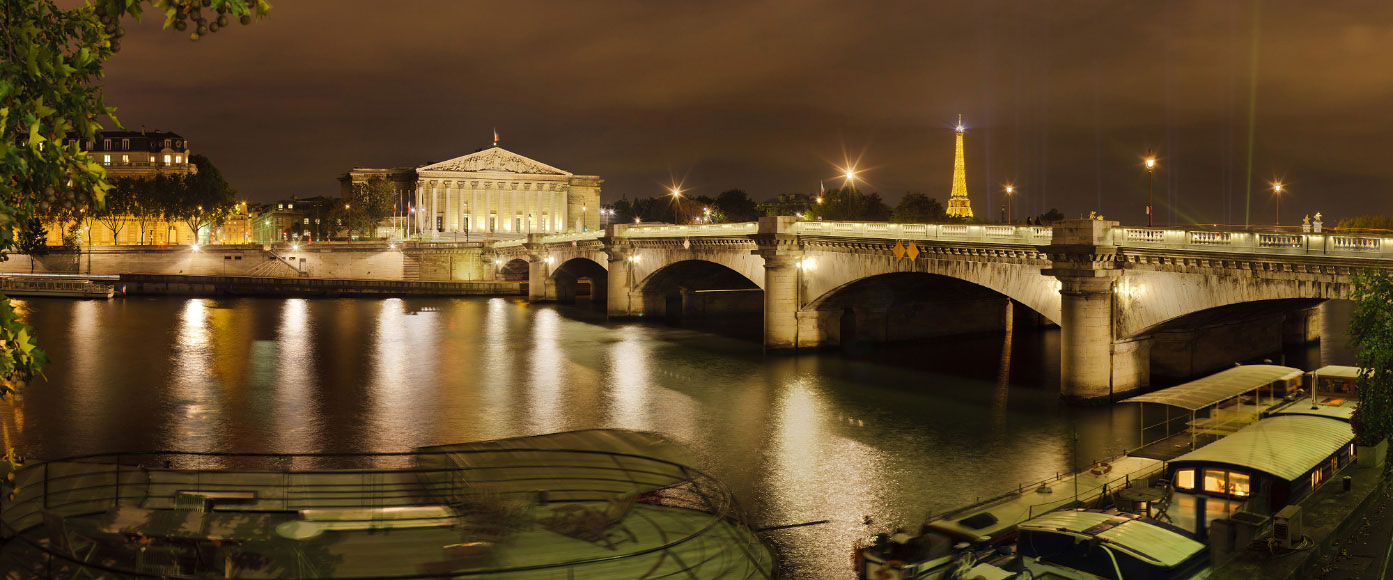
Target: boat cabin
1108,545
1191,415
1335,381
1269,464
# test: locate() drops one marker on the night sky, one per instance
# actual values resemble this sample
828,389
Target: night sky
1061,97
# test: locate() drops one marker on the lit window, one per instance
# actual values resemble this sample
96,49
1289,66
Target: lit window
125,159
106,160
1317,476
178,158
166,160
1214,481
292,206
152,158
280,206
1238,484
1185,479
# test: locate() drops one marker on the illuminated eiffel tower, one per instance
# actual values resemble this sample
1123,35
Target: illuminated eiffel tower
958,204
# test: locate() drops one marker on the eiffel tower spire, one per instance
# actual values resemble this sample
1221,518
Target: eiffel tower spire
958,204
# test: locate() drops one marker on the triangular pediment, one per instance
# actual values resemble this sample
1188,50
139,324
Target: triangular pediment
495,160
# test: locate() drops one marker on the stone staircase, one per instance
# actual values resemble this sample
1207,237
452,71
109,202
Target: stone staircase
411,266
275,268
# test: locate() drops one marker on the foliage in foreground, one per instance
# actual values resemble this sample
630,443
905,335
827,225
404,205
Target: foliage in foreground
51,63
1372,330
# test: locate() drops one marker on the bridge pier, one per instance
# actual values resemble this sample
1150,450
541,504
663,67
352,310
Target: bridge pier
621,281
782,283
1090,360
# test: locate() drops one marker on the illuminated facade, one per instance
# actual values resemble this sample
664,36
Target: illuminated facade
959,205
132,154
491,191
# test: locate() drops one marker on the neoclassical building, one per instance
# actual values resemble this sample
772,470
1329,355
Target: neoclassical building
491,191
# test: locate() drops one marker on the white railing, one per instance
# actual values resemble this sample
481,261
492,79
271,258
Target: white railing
1178,239
1210,238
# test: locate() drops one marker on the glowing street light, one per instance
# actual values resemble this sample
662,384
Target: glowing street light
676,192
1150,179
1277,191
1010,189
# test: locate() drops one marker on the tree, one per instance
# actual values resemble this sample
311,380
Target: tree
796,204
203,198
32,239
367,205
1367,222
116,207
1372,330
735,206
918,208
1049,217
847,203
51,61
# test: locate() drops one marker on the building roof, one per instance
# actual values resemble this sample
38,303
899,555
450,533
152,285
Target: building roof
495,160
1337,372
151,141
1285,446
1147,541
1218,387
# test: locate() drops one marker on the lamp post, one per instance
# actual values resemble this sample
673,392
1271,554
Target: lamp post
346,207
1009,190
1150,179
1277,191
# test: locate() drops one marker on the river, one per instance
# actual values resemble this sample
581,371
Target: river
910,430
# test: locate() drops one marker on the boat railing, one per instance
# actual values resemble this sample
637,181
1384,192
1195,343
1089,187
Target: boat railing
96,484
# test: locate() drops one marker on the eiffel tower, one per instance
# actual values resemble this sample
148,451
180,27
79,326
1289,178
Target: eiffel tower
958,204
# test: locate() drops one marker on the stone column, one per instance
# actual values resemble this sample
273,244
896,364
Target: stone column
420,191
619,282
1083,259
537,270
1085,350
781,253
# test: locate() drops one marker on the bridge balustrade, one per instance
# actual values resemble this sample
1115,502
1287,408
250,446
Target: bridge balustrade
1253,242
689,230
1033,235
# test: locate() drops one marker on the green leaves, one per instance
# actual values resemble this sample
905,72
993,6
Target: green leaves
1372,330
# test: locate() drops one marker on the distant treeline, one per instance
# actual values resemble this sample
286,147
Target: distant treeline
1367,222
845,203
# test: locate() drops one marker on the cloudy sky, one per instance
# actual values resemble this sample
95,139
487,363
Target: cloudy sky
1062,98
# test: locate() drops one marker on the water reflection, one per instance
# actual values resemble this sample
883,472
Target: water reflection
921,428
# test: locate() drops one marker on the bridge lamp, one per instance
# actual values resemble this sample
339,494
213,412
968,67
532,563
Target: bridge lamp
295,246
1150,180
676,192
1277,191
1010,189
195,247
549,260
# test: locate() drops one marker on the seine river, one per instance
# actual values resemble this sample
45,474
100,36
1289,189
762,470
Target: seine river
914,429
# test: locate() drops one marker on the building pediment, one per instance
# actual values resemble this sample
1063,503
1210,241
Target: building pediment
495,160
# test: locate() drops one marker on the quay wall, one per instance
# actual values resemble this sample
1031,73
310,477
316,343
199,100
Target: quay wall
185,285
358,260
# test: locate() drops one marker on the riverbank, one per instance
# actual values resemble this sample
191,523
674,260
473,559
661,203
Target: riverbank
184,285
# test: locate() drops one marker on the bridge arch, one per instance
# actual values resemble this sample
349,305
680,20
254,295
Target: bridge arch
696,290
909,305
514,270
579,277
1146,300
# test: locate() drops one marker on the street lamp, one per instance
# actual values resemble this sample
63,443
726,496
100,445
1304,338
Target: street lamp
1277,191
1150,167
1009,190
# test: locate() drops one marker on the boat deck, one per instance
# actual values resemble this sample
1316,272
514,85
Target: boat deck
998,517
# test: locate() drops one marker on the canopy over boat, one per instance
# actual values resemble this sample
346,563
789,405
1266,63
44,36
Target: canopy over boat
1218,387
1152,543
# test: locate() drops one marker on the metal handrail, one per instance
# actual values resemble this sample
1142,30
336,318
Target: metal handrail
707,495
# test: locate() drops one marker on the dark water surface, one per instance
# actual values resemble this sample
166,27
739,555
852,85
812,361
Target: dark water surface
797,438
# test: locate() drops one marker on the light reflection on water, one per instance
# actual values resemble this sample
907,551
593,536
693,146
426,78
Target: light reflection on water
797,438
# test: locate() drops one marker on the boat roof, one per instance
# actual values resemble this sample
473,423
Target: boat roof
1337,372
1218,387
1128,532
1336,407
1286,446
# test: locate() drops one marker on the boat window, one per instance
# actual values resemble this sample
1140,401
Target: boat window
1317,476
1185,479
1214,481
1238,484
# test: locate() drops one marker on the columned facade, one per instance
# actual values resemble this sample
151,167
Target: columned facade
495,192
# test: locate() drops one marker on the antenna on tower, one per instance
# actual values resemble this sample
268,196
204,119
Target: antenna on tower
495,136
960,127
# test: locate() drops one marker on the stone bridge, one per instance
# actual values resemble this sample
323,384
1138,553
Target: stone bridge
1115,292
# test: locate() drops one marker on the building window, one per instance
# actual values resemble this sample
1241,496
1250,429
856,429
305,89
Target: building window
1317,476
89,145
152,158
166,160
178,158
125,144
125,159
1185,479
179,144
166,143
106,144
307,221
280,206
106,160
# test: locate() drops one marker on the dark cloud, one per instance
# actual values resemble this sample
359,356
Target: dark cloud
1062,98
